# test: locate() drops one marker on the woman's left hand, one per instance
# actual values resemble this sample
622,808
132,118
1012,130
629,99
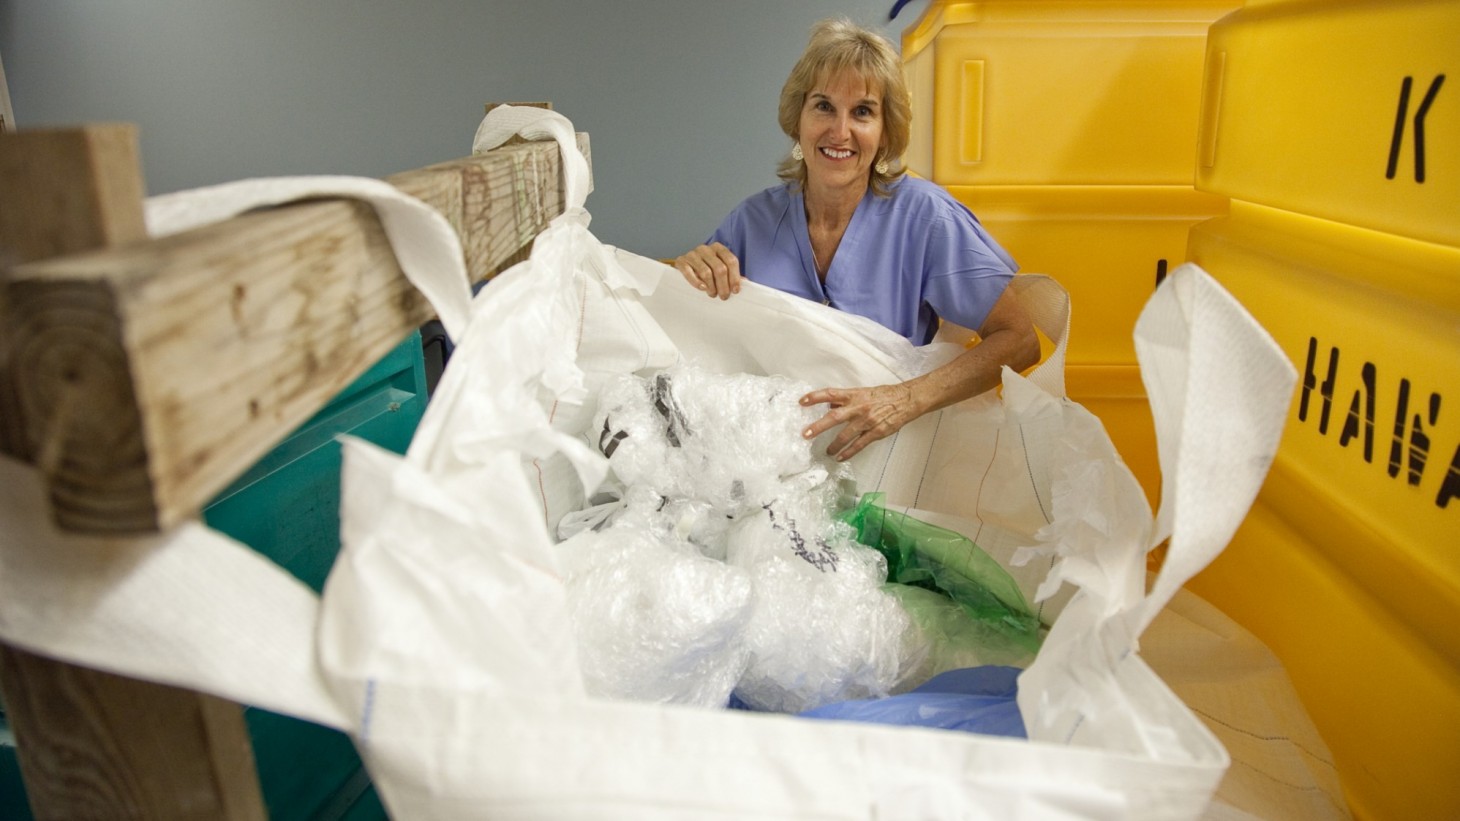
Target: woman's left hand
869,414
866,415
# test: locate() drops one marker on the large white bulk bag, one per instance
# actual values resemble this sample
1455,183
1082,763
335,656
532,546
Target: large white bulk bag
442,642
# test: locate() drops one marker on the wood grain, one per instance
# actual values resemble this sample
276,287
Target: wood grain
144,376
93,745
225,338
69,190
7,115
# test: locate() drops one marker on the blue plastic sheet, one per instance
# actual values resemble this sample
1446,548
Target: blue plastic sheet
973,699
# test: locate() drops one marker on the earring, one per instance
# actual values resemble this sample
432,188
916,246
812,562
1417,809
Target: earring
796,153
882,167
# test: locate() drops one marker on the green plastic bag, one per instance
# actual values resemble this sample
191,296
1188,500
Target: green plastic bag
972,610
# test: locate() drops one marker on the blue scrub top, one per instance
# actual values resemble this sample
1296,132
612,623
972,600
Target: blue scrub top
905,259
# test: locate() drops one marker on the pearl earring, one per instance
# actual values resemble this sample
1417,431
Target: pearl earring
796,153
882,167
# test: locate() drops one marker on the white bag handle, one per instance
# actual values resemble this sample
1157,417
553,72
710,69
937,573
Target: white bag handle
189,607
1219,387
425,245
507,121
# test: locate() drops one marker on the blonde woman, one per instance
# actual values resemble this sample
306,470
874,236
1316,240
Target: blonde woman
849,229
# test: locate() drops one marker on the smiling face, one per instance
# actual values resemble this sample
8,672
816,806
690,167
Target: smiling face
840,132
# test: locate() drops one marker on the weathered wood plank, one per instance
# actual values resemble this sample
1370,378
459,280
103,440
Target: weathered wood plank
7,115
69,190
227,337
93,745
496,207
64,192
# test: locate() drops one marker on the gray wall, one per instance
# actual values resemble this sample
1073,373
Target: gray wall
678,95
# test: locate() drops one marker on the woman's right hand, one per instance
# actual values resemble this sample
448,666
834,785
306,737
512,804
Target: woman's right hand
712,269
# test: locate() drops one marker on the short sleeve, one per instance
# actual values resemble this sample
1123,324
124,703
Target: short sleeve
731,232
965,268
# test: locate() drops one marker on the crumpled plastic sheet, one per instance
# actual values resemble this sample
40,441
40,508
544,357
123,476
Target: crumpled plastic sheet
717,490
967,608
654,620
823,629
973,700
733,442
952,639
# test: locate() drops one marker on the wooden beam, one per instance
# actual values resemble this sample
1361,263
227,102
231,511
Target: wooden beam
93,745
143,377
69,190
498,202
147,377
7,115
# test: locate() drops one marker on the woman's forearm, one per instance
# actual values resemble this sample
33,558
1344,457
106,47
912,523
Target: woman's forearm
869,414
976,370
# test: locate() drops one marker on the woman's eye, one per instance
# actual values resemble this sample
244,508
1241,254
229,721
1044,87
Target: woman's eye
822,105
864,111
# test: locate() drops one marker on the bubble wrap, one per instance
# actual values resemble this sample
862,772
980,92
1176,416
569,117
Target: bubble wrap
716,465
654,621
821,629
729,441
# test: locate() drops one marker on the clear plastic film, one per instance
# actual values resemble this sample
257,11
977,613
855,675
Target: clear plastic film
822,629
733,442
654,620
967,608
714,467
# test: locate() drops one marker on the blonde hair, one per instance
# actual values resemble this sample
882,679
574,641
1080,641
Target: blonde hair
837,46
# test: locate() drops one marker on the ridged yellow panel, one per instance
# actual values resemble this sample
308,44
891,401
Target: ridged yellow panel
1115,394
918,69
1382,697
1344,110
1350,566
1105,244
1067,93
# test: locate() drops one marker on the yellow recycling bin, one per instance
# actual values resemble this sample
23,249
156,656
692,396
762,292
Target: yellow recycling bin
1070,129
1334,127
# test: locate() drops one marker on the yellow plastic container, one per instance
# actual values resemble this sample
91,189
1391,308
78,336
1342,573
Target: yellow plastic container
1108,245
1058,93
1348,567
1334,127
1344,110
1115,394
1069,127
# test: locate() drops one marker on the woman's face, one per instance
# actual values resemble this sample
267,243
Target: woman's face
840,131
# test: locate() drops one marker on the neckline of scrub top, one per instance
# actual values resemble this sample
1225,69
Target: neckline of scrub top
851,237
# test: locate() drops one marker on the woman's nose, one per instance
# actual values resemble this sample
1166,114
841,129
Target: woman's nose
841,126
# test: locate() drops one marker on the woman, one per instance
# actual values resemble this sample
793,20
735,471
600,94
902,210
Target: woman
849,229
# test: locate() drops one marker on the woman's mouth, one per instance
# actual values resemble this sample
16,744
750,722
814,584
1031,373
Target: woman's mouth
837,153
